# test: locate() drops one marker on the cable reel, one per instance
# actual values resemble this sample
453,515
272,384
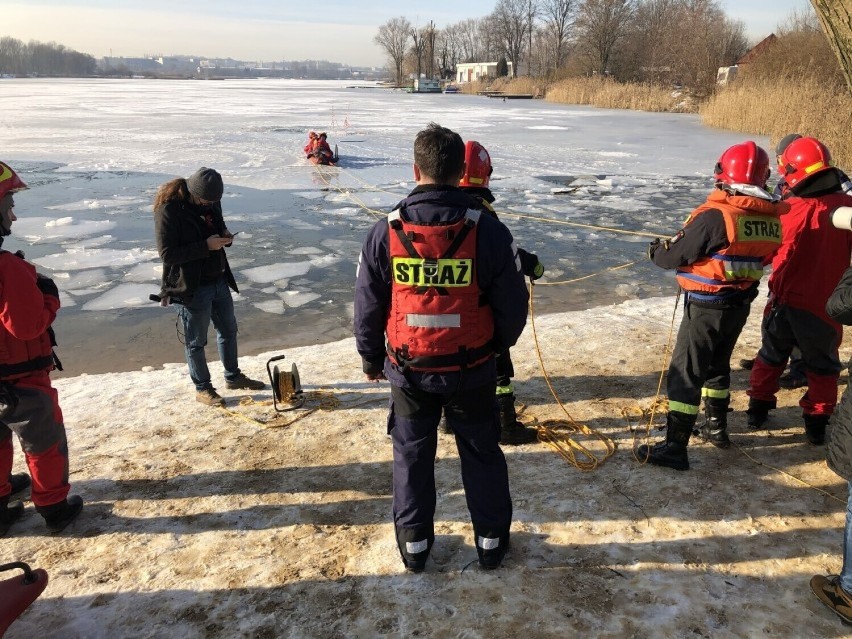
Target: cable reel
286,386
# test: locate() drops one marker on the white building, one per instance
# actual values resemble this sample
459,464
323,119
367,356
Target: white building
472,71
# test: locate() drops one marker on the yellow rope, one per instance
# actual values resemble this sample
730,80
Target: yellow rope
580,224
585,277
324,399
374,212
557,433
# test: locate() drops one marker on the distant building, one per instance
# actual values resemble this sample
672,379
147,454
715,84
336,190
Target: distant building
726,75
473,71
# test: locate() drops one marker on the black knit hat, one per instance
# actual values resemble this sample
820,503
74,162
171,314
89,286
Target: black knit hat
206,184
785,142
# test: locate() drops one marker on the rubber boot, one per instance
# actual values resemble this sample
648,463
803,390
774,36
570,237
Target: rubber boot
10,512
513,432
19,482
491,546
57,517
715,426
671,452
815,428
414,546
758,412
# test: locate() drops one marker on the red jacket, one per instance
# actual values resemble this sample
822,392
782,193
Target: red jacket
25,317
813,254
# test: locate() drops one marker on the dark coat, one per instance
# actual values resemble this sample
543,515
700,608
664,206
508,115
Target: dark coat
839,453
498,275
182,232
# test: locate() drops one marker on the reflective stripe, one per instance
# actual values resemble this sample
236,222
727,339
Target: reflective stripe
488,543
680,407
393,215
716,393
433,321
414,547
505,390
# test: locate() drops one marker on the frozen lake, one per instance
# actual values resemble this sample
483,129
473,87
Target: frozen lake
95,151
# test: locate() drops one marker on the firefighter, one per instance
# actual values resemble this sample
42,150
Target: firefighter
442,281
805,270
309,146
719,257
475,180
28,403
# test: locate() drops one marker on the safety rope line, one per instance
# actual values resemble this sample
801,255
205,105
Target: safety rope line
557,433
374,212
325,401
585,277
580,224
788,474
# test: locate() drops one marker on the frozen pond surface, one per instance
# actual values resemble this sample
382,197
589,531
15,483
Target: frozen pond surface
95,151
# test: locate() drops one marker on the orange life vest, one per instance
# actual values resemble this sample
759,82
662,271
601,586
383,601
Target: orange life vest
438,320
754,233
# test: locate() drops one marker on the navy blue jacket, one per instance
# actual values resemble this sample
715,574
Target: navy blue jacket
498,274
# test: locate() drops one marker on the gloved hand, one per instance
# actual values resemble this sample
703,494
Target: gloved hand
530,266
538,271
652,247
46,285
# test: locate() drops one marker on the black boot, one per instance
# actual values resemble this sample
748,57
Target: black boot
491,546
10,512
671,452
815,428
19,483
715,426
58,516
513,432
758,412
414,546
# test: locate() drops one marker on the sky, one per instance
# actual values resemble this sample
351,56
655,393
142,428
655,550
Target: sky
266,30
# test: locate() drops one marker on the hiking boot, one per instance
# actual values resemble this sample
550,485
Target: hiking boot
491,549
209,397
241,382
758,412
827,589
414,547
10,512
668,454
513,432
790,380
815,428
19,483
715,426
57,517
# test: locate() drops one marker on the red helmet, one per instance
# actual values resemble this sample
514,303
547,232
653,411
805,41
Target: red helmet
9,180
803,158
744,163
477,166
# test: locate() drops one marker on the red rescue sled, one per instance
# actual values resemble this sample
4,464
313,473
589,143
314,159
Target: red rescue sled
17,593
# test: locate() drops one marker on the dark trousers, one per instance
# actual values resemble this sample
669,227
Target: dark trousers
413,426
784,328
37,421
701,361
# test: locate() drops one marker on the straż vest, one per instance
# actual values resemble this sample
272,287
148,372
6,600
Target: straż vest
754,233
438,320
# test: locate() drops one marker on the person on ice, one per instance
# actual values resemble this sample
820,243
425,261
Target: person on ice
191,238
310,145
475,180
29,405
439,291
719,257
805,270
322,151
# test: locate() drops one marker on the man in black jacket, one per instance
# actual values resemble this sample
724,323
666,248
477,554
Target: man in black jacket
191,238
443,282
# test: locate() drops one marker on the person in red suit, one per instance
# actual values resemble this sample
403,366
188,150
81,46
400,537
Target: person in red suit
29,405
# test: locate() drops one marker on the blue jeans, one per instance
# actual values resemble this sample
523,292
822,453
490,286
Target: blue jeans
846,571
211,301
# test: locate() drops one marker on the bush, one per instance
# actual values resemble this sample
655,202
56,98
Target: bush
610,94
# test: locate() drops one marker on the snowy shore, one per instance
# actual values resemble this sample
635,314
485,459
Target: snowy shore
202,523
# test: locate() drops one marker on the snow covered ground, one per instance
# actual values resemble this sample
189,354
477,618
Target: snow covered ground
204,523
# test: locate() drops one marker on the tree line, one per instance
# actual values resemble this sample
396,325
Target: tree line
43,58
661,41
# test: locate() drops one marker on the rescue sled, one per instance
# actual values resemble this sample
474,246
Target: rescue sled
17,593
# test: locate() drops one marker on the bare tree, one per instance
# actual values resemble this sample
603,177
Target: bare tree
601,26
510,23
531,10
393,38
419,37
836,19
558,16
